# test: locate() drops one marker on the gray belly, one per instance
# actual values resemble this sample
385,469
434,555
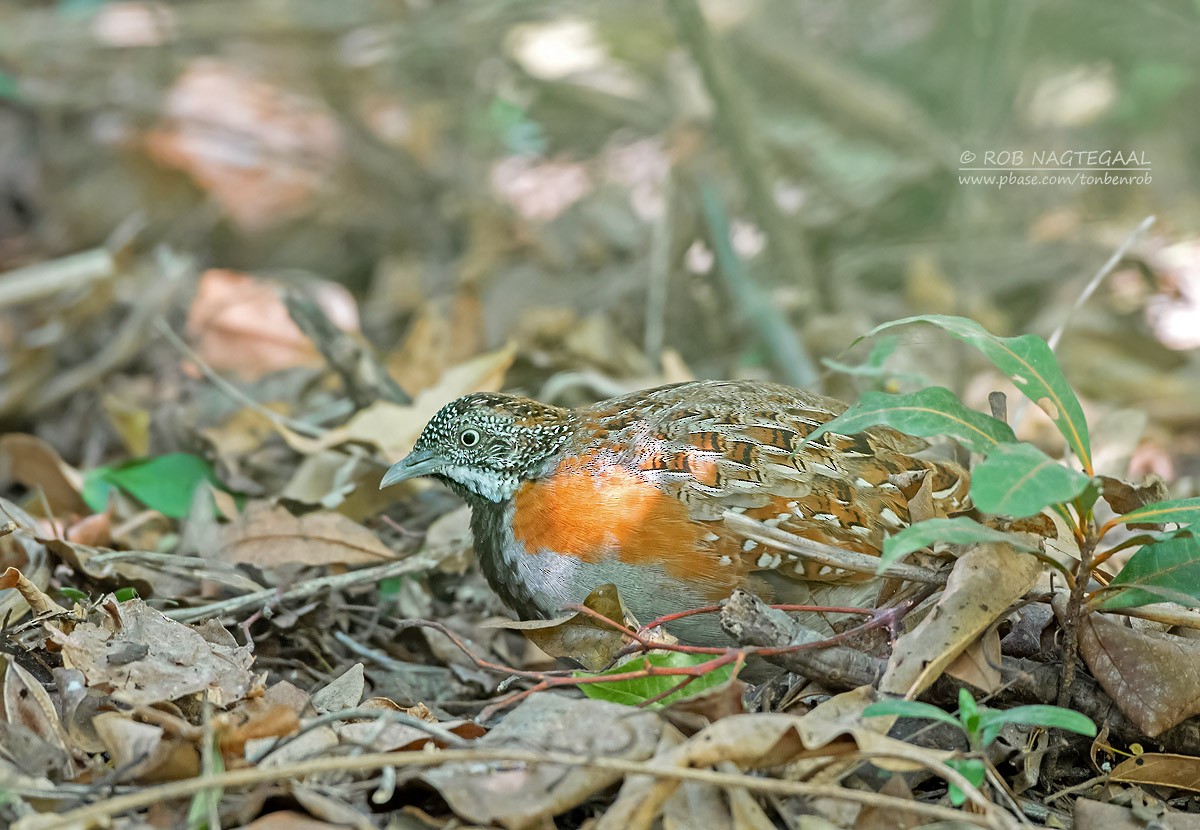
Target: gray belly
540,585
647,592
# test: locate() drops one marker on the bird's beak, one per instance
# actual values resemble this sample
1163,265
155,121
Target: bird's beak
417,463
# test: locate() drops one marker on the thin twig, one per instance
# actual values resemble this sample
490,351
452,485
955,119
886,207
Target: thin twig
419,562
102,812
1107,268
361,713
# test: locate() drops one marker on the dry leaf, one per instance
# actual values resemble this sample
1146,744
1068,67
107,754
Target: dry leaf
28,704
580,637
308,744
436,340
881,818
384,736
979,665
38,599
134,748
330,809
262,152
269,537
985,581
343,693
94,530
130,422
276,721
289,820
23,550
492,792
239,323
751,742
1124,497
142,657
1154,678
1160,770
32,462
1096,815
452,532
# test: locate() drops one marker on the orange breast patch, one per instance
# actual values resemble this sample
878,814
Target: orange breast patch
593,507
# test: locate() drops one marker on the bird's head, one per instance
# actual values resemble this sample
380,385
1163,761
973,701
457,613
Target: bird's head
484,445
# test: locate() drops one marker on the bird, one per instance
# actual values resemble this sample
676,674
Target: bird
635,491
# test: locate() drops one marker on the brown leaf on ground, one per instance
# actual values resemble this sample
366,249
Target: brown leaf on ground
277,721
394,737
145,752
1124,497
344,692
288,145
38,599
1160,770
21,549
94,530
289,820
878,818
30,461
979,665
984,582
27,704
584,639
142,657
709,706
269,536
330,808
239,323
1153,677
149,576
437,339
520,795
452,532
1096,815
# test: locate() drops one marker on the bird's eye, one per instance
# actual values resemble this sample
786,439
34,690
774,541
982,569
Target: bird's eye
469,437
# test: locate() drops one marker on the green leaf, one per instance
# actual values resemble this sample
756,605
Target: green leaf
125,594
9,88
165,483
957,531
910,709
1180,511
1019,480
968,712
204,803
1055,717
972,769
932,411
1030,364
390,588
636,692
1168,570
73,594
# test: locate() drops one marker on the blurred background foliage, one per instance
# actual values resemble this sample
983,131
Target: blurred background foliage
631,191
